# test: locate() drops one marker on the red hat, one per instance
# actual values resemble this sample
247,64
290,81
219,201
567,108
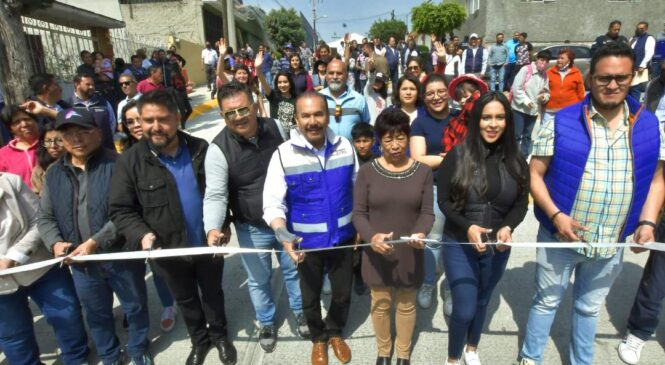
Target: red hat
482,86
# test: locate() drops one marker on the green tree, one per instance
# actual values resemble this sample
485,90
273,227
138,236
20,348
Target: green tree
438,19
384,29
283,26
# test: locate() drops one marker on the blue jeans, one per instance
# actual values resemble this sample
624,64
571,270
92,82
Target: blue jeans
593,279
259,272
433,250
55,296
497,72
472,277
654,69
510,76
95,284
162,289
523,129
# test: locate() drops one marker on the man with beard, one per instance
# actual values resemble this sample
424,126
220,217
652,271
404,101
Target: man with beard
102,111
645,313
308,201
591,172
46,99
346,107
156,201
644,46
612,35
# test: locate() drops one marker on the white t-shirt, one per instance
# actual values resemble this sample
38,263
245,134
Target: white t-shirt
209,56
450,65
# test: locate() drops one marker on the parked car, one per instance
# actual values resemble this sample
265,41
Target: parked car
582,55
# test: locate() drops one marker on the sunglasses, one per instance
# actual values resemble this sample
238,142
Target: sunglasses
338,112
126,83
236,114
413,68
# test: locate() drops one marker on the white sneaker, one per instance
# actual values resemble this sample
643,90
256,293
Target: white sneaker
471,358
167,321
447,303
425,296
456,362
630,349
526,361
325,289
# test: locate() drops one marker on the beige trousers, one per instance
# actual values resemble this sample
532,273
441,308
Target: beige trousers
405,319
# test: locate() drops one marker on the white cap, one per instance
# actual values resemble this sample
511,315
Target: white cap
473,35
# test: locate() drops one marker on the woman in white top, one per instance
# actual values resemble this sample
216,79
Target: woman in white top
406,98
376,94
453,63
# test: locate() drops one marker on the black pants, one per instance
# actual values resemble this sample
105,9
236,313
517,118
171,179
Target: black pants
643,319
210,76
204,315
340,271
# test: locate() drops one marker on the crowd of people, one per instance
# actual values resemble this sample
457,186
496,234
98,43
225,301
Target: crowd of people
320,170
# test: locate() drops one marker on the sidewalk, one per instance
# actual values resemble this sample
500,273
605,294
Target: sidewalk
504,332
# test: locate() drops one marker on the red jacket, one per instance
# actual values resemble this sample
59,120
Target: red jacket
565,92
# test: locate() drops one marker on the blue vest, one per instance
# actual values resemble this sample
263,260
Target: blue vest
572,145
639,49
319,199
474,64
659,54
63,190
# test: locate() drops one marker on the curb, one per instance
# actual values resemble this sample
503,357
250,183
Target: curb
200,109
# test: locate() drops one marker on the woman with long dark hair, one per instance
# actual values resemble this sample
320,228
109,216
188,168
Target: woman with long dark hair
130,125
180,86
407,98
483,191
300,76
50,149
319,75
282,97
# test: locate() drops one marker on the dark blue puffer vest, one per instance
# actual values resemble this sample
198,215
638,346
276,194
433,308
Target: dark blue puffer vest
572,145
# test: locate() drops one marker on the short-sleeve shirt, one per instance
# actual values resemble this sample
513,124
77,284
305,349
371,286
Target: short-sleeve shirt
283,110
432,129
604,196
209,56
522,53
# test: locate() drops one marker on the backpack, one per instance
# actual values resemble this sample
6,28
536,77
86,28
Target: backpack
529,73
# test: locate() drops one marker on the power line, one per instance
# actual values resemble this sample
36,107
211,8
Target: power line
352,20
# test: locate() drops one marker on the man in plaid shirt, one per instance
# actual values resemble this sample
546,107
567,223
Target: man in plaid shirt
591,171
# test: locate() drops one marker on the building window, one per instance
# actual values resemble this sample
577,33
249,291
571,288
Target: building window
472,6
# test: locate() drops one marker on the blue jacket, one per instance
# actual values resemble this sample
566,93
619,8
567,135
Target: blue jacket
319,198
572,145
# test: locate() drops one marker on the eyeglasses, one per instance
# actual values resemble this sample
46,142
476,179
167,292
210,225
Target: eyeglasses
131,122
432,94
70,136
55,142
604,80
126,83
235,114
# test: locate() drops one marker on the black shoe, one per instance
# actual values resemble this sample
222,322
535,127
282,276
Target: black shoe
227,352
403,361
382,360
301,323
198,355
268,338
359,285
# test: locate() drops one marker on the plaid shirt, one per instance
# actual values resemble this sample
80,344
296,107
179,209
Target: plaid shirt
606,190
455,131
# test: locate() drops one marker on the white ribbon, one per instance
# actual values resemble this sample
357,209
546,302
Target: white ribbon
224,250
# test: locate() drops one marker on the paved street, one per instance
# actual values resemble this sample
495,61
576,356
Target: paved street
500,344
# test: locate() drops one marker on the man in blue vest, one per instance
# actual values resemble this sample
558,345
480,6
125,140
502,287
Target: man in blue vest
307,200
591,171
392,55
659,55
74,220
474,58
236,166
644,46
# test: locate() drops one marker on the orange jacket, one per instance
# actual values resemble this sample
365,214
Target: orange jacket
564,92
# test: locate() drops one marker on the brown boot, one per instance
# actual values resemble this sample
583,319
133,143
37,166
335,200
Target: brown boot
320,353
341,349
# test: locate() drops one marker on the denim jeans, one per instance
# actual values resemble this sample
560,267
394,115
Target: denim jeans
433,250
95,284
259,272
509,76
655,69
593,279
645,313
472,277
55,296
547,117
497,73
524,124
162,289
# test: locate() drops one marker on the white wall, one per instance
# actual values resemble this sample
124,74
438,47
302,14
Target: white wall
109,8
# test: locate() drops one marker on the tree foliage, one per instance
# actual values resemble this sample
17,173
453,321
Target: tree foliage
283,26
384,29
439,19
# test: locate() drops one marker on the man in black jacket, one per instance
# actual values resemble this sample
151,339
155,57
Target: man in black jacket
612,35
157,202
74,220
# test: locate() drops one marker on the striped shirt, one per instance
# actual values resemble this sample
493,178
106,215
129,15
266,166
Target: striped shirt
605,193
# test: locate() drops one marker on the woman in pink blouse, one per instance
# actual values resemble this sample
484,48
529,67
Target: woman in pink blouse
19,156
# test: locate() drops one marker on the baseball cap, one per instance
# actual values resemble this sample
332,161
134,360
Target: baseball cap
75,116
473,35
380,77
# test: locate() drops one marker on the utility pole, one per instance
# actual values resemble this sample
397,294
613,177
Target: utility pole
314,22
392,15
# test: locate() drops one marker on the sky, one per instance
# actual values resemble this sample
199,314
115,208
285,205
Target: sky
343,16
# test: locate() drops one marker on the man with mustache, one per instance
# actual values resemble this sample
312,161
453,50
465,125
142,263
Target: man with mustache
346,107
156,201
307,200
